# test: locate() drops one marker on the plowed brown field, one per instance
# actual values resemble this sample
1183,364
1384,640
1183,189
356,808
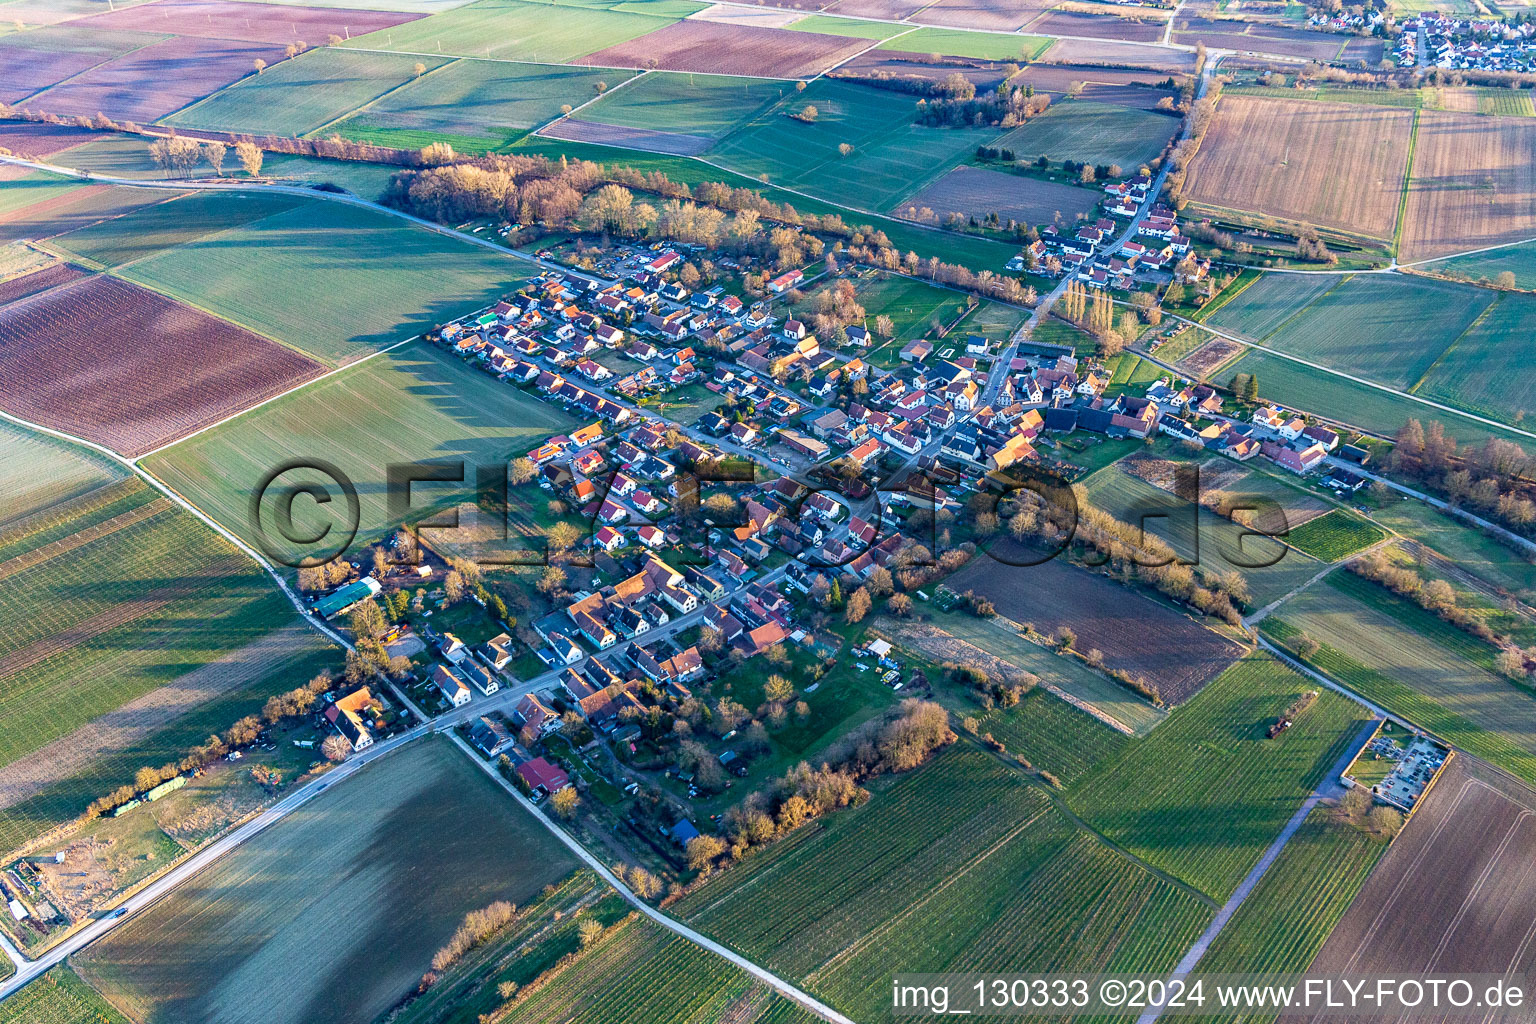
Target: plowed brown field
1474,183
1282,157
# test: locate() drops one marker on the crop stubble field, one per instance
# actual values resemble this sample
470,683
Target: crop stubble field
1474,180
131,369
709,47
421,836
1282,157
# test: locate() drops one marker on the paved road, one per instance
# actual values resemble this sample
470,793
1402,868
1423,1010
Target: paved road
1330,786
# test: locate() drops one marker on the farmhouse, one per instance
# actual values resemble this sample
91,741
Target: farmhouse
543,777
355,716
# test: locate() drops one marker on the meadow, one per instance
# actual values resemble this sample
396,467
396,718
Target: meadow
960,43
828,25
849,899
1465,545
528,30
413,404
306,93
710,106
1266,302
351,280
1283,922
1411,663
492,101
1335,535
334,900
1205,794
891,157
1091,132
1488,369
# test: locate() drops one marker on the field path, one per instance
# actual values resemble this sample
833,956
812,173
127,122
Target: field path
1328,787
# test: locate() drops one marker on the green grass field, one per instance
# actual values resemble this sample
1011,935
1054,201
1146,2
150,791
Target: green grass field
526,29
1323,393
179,221
1203,796
345,900
1369,325
855,28
1465,545
1335,535
960,866
1410,662
1506,102
1053,331
891,158
1267,302
1487,370
58,997
333,281
1284,921
37,471
491,101
31,188
299,95
705,105
414,404
980,45
1519,260
1096,133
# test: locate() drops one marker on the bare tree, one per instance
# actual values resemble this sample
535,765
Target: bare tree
259,64
214,152
336,749
250,157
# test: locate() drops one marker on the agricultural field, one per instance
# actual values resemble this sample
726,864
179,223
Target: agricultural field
346,868
1285,920
697,106
1219,545
37,472
1409,662
890,154
50,276
978,45
58,997
37,59
980,192
1486,370
1463,544
845,26
711,48
524,30
412,404
224,19
992,15
309,92
1062,22
70,364
352,281
1169,649
1519,260
1259,37
1366,325
1281,157
1091,132
1336,535
1203,796
955,636
847,899
36,141
153,81
165,225
492,102
126,614
34,208
1052,735
640,973
1267,302
1473,179
1453,892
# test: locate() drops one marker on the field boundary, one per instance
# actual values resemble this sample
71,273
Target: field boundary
1402,198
